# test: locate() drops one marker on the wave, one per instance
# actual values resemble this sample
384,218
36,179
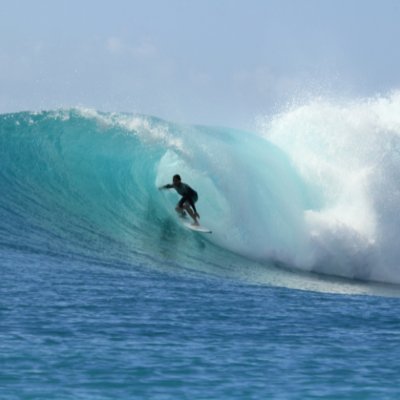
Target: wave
316,190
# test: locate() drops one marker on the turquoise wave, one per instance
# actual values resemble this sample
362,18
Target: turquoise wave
82,183
73,179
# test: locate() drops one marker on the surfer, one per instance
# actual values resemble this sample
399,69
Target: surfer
189,197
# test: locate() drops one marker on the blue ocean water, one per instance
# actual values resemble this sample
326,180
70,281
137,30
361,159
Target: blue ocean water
104,295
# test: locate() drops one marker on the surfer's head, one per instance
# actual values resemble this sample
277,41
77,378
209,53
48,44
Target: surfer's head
176,179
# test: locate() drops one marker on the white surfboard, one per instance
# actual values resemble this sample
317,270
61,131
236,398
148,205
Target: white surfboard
196,228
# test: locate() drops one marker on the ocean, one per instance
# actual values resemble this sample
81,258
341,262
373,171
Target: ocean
105,295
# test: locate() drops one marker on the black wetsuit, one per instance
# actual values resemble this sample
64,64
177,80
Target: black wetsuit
188,194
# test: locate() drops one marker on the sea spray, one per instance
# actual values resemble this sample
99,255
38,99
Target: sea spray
348,154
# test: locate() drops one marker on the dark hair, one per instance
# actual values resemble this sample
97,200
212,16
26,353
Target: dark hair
176,177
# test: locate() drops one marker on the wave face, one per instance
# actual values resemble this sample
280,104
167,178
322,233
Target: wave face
318,190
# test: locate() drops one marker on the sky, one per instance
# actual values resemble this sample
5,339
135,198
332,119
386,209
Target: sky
212,62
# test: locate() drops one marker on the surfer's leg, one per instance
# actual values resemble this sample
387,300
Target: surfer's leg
190,211
180,211
185,204
180,208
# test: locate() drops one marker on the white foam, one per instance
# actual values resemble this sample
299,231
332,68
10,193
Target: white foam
349,153
138,125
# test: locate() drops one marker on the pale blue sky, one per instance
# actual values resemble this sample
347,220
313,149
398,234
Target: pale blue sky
222,62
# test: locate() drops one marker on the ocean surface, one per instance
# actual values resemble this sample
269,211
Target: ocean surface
295,295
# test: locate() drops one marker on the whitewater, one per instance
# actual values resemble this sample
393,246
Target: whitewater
106,295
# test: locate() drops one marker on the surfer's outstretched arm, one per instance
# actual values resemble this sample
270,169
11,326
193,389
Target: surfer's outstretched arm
167,186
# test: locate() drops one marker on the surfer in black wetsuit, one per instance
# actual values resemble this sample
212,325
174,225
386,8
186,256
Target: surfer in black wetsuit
189,197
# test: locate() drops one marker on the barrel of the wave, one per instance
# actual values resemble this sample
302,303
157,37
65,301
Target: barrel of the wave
249,194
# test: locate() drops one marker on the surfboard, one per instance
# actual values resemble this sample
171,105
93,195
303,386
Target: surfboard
196,228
